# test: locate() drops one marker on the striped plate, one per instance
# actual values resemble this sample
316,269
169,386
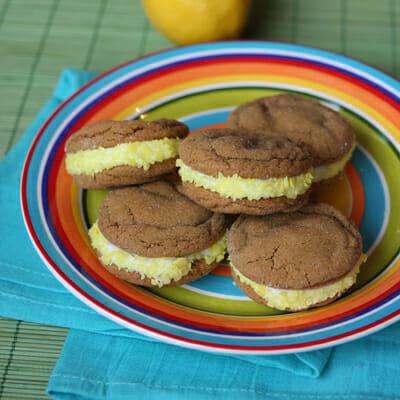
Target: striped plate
200,85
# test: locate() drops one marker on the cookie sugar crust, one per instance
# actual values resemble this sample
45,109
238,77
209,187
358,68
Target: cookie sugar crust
309,248
298,118
156,220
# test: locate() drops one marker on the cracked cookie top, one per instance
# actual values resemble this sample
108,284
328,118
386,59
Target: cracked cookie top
298,118
230,152
111,133
156,220
308,248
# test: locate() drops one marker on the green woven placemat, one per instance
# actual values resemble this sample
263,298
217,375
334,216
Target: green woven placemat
27,356
38,38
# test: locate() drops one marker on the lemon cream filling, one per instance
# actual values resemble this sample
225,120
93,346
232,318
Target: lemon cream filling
161,270
330,170
134,154
236,188
294,299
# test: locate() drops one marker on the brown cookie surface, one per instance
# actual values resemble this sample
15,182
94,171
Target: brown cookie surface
125,175
298,118
217,203
308,248
111,133
199,269
230,152
156,220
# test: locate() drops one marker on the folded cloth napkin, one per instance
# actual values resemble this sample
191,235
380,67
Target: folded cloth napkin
121,365
28,291
94,366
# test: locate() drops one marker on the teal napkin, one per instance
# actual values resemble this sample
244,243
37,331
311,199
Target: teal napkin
95,366
28,291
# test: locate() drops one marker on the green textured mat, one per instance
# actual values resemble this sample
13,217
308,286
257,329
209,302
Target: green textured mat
27,356
38,38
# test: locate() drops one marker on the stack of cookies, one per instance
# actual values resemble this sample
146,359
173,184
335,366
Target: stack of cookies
260,170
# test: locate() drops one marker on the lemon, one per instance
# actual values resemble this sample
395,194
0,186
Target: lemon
195,21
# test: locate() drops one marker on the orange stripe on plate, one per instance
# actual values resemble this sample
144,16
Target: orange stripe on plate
187,78
222,270
358,194
212,126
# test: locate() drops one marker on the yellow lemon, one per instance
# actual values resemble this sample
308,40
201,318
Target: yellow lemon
195,21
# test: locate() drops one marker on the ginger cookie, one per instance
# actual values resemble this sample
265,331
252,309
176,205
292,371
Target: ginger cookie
303,120
109,154
230,171
295,261
152,235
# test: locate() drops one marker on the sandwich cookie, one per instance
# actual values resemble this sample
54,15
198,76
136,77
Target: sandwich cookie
295,261
118,153
233,172
303,120
152,235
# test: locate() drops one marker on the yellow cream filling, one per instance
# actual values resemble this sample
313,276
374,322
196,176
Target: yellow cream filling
134,154
295,300
161,270
330,170
236,188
